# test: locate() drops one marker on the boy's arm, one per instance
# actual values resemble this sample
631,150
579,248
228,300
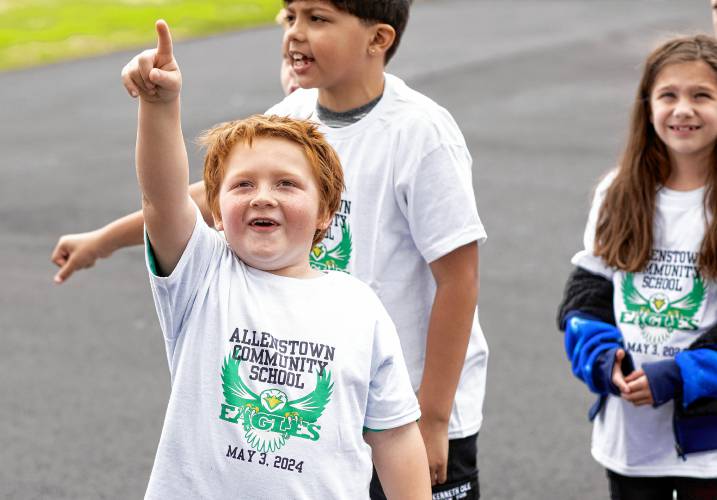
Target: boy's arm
161,156
79,251
449,330
400,460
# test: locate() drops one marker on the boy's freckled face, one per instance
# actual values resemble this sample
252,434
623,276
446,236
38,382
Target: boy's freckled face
327,46
269,205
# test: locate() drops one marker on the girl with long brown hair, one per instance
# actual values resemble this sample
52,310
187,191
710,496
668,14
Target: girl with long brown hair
640,309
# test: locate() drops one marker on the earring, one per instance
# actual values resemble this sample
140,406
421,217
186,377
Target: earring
372,51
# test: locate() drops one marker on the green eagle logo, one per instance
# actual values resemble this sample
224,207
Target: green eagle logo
336,259
283,418
658,310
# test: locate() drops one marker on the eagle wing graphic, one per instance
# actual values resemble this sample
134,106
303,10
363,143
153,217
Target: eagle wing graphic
236,392
339,256
690,303
341,253
634,300
311,406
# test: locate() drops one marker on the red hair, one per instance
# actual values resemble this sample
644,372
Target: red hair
324,162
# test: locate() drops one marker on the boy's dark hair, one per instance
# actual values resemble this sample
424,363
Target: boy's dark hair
391,12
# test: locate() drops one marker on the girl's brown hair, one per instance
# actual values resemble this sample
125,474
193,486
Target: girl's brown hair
324,161
623,235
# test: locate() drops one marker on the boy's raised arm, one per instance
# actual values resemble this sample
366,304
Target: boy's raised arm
161,156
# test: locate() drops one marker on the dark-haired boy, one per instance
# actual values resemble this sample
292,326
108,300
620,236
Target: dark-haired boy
407,225
408,218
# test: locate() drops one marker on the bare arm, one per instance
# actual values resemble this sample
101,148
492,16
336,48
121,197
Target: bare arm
152,75
449,331
80,251
162,172
400,460
199,195
161,156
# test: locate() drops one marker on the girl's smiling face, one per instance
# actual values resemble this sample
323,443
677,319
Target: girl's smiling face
683,104
269,206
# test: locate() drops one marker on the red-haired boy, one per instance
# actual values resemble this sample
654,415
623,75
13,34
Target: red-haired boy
407,225
281,373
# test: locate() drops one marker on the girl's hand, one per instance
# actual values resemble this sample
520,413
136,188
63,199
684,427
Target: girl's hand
639,389
618,379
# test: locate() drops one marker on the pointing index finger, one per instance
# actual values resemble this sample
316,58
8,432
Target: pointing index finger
164,39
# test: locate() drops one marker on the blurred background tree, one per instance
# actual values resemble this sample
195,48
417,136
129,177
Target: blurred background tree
34,32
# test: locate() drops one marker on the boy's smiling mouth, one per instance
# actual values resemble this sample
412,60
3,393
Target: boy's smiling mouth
300,61
263,223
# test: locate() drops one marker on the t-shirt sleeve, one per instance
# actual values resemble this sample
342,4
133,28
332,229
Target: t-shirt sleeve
586,258
175,294
436,195
299,104
276,109
391,401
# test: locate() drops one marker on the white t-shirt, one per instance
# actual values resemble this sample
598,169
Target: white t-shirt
273,380
409,200
659,311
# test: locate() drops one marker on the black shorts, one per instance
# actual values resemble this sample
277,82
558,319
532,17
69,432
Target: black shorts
462,478
659,488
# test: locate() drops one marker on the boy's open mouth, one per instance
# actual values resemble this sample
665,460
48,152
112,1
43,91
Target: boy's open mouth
263,223
299,60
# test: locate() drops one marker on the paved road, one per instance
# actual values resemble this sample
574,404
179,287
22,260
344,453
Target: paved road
541,90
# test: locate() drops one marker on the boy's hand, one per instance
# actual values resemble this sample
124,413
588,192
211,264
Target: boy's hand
639,392
618,379
77,251
154,74
435,438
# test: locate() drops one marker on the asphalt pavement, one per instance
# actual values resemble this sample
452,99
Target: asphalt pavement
541,90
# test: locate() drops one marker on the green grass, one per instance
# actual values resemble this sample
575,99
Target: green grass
34,32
